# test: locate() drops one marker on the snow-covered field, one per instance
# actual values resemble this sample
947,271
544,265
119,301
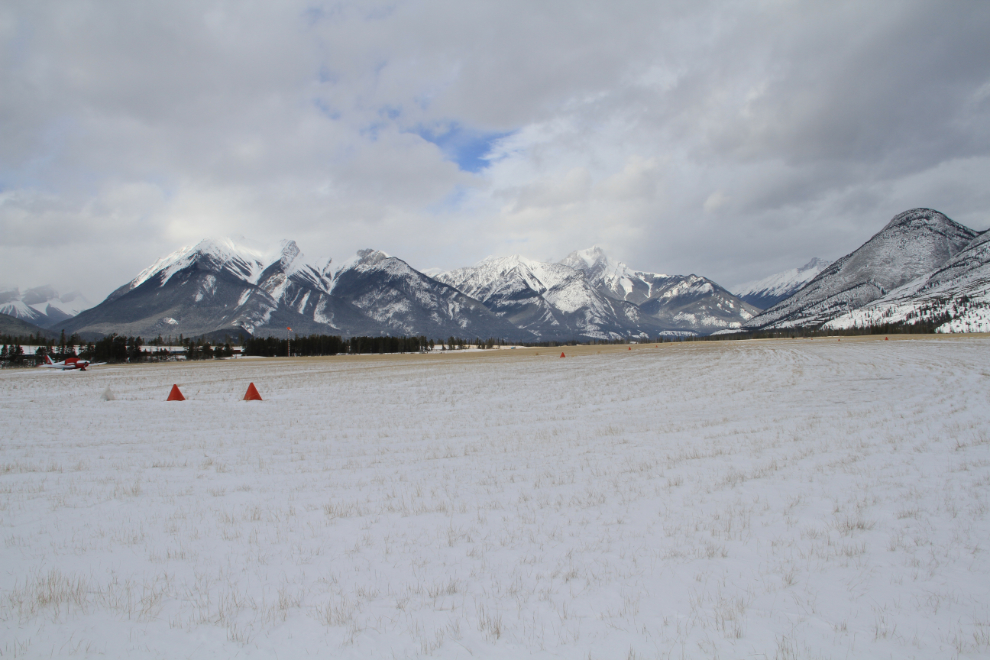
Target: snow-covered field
778,499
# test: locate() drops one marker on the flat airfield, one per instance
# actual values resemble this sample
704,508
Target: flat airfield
780,498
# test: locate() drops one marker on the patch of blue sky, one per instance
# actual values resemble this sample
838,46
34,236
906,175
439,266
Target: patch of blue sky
468,147
391,111
326,109
372,130
326,75
388,114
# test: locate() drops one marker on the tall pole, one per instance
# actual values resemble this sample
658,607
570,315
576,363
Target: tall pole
288,342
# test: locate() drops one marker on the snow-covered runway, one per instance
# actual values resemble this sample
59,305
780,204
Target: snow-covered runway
784,499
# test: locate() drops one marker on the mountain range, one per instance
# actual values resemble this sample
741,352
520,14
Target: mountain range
42,305
219,286
588,295
921,266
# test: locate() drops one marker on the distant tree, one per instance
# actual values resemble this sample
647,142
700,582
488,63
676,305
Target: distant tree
134,349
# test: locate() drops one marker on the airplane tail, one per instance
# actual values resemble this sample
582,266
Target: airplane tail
48,359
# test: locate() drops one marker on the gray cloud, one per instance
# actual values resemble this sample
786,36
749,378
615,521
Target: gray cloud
727,139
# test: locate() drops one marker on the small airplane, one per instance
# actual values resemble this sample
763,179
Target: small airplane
69,363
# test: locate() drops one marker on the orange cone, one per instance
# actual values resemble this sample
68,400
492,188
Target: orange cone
562,354
885,339
252,393
630,348
175,394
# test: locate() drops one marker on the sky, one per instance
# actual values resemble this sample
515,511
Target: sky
731,139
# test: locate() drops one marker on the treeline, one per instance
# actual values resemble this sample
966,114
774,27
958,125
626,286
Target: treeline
113,348
12,351
12,354
316,345
118,348
26,340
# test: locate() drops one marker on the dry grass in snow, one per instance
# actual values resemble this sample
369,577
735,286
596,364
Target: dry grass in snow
788,499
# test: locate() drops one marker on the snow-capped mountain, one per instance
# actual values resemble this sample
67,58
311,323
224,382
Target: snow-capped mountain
214,285
42,305
912,245
676,302
767,292
218,285
374,293
614,278
221,286
587,294
956,296
549,300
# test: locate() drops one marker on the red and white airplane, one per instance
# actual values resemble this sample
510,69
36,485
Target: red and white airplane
69,363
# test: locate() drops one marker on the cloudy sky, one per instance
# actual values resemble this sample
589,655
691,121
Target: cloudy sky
730,139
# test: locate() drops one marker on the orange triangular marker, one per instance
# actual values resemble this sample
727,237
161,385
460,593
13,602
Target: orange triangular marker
252,393
561,355
630,348
175,394
885,339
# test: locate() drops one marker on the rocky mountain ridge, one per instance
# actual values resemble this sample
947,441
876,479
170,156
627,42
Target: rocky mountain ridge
911,248
219,285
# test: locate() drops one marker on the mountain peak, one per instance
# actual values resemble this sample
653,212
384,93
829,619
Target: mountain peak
815,264
588,259
919,217
370,257
288,254
507,263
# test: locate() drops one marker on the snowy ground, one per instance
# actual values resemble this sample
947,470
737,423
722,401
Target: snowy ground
778,499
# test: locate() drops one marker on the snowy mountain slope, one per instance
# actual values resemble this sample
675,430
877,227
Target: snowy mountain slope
676,302
768,291
696,303
42,305
913,244
958,294
553,301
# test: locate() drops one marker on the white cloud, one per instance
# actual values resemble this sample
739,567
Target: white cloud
715,201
